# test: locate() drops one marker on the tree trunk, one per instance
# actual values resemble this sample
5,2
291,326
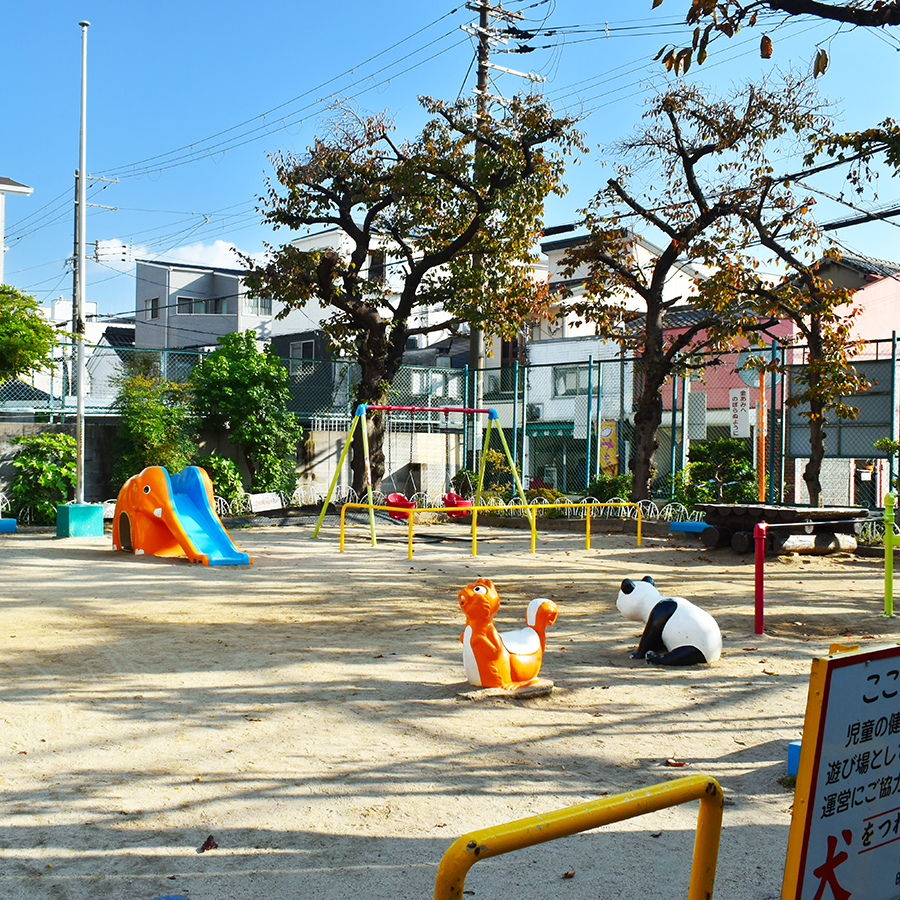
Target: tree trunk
379,362
647,419
812,472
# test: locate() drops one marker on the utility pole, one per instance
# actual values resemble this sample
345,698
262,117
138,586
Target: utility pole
80,519
476,335
486,36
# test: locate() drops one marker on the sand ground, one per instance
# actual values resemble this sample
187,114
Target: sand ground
305,711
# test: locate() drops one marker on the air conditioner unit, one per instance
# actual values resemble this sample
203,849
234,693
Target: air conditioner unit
534,412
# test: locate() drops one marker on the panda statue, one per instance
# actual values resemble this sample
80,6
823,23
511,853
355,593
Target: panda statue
676,632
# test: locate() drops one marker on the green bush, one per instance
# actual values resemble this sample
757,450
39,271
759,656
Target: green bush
45,475
242,393
551,496
725,468
605,487
225,477
464,483
154,425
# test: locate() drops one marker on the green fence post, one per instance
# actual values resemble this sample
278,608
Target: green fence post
772,443
888,555
674,426
587,433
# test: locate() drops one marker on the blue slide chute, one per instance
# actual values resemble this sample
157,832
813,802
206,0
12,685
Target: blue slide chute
192,506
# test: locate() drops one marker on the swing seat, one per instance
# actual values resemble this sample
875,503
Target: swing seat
454,504
399,502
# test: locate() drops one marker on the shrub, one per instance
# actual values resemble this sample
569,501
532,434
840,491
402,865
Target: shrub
45,475
154,426
725,467
551,496
605,487
464,483
242,393
225,477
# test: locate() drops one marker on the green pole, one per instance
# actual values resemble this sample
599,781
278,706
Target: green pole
587,442
771,490
674,424
597,417
892,462
519,487
337,471
888,555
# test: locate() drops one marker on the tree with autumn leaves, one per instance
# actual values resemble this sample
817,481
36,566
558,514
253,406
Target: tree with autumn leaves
458,208
699,173
713,18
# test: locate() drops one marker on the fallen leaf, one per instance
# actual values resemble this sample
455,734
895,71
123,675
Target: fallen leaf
676,763
569,874
656,834
596,715
440,824
209,844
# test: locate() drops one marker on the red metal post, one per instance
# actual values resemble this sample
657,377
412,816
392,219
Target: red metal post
759,533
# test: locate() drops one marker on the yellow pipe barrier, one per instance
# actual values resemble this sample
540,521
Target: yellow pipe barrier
532,507
465,851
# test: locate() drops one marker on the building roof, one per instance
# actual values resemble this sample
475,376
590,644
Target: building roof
867,265
117,336
218,270
456,347
7,185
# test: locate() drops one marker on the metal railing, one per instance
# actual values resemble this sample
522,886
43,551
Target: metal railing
477,846
409,513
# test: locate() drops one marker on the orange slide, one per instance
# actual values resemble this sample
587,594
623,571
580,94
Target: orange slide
174,515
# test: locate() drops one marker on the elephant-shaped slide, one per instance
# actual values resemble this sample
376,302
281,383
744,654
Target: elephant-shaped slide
174,515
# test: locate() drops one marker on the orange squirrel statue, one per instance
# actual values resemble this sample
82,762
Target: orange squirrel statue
510,659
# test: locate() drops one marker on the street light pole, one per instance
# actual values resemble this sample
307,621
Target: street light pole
80,263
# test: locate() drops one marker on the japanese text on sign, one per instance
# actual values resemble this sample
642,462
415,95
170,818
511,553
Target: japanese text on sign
845,838
739,412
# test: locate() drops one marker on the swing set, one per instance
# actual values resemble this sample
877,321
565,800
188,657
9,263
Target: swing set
397,504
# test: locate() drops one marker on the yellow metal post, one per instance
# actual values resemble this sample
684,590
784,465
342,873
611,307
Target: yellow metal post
587,519
478,845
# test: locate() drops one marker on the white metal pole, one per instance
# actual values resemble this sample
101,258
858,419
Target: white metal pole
79,293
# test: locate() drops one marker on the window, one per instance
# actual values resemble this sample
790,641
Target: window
151,308
377,267
569,381
301,350
201,306
258,306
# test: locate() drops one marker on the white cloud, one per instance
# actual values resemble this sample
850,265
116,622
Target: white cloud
220,254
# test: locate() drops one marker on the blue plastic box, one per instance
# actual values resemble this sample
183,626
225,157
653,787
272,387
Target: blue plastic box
793,757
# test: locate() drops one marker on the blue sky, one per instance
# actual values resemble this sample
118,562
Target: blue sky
186,100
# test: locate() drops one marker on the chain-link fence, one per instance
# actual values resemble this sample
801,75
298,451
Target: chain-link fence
566,423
